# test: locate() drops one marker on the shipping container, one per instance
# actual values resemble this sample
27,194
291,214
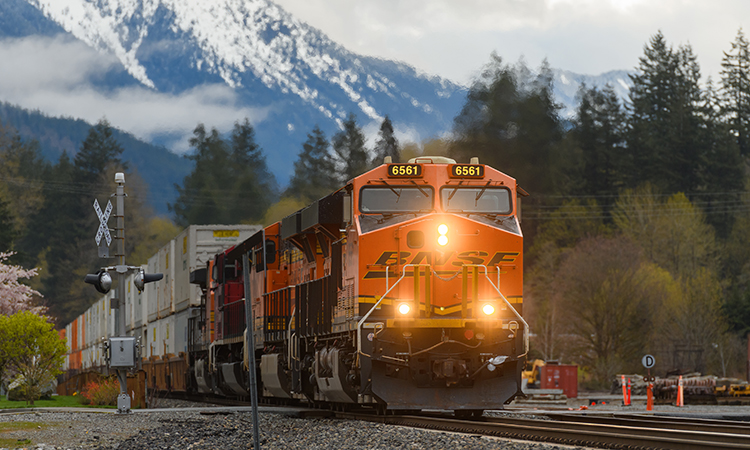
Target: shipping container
193,248
152,308
559,376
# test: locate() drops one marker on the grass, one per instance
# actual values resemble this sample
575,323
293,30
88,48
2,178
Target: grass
60,401
18,426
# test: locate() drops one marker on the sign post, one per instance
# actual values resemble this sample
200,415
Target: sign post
648,362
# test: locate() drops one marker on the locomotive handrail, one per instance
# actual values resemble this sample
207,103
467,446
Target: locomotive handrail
403,274
364,318
525,325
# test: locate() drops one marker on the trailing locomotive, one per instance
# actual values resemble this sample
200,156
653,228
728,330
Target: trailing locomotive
402,290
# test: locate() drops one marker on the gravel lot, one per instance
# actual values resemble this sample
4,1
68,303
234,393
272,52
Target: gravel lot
196,429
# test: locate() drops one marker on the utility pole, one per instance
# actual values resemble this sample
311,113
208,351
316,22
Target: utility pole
121,350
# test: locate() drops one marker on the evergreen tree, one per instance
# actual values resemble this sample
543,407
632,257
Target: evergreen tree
315,170
8,232
735,85
668,135
202,193
511,122
21,195
99,150
387,144
599,132
64,248
350,151
230,182
254,186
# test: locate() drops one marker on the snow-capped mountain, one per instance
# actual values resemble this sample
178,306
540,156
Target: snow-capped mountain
286,74
268,57
567,84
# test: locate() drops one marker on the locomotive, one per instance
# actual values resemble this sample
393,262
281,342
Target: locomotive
402,290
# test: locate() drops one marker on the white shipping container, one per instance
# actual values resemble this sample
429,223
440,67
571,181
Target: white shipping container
165,288
152,346
162,337
193,248
181,330
152,306
167,325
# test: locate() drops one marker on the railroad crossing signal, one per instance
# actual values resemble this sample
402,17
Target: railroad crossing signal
103,218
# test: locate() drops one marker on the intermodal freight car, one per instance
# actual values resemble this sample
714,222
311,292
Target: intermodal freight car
401,290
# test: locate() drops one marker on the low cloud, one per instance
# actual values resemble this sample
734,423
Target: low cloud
60,76
454,39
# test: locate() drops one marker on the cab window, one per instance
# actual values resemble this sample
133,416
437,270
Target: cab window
395,199
489,200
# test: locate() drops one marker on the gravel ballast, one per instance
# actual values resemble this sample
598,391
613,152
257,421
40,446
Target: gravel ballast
203,428
206,428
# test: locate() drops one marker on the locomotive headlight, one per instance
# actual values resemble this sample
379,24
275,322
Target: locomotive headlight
488,309
443,231
404,308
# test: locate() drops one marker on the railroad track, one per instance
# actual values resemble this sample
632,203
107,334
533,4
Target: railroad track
616,432
600,430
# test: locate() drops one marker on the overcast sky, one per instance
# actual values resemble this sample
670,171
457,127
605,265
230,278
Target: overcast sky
454,38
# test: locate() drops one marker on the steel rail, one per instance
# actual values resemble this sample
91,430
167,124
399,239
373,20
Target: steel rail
668,422
570,432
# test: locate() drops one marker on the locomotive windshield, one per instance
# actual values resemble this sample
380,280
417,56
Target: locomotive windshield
395,199
479,199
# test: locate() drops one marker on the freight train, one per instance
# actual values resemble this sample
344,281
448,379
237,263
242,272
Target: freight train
402,290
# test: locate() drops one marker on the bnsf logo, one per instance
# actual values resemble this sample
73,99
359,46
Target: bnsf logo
442,259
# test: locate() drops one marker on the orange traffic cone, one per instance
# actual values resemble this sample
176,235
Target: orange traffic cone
680,397
624,392
629,385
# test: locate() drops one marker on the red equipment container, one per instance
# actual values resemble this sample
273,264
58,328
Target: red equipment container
558,376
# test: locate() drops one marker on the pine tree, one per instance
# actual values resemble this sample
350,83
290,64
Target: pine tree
315,170
8,232
254,186
204,189
511,122
99,150
735,86
387,144
230,182
350,151
599,131
667,137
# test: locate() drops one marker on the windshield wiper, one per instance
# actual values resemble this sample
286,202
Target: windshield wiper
398,194
420,188
455,189
481,193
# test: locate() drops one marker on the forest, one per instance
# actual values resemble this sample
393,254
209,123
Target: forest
637,227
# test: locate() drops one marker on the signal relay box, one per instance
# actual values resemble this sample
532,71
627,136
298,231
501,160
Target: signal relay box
122,352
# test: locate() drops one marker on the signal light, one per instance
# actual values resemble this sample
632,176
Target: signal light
488,309
101,280
141,278
443,231
404,308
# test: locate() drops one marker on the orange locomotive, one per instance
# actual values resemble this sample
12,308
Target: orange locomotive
401,290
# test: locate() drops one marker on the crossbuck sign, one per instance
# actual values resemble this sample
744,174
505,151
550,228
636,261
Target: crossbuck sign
103,218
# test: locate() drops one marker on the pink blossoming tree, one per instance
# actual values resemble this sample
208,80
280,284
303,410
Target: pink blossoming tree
14,295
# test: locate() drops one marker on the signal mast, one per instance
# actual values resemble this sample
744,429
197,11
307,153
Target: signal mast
122,352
